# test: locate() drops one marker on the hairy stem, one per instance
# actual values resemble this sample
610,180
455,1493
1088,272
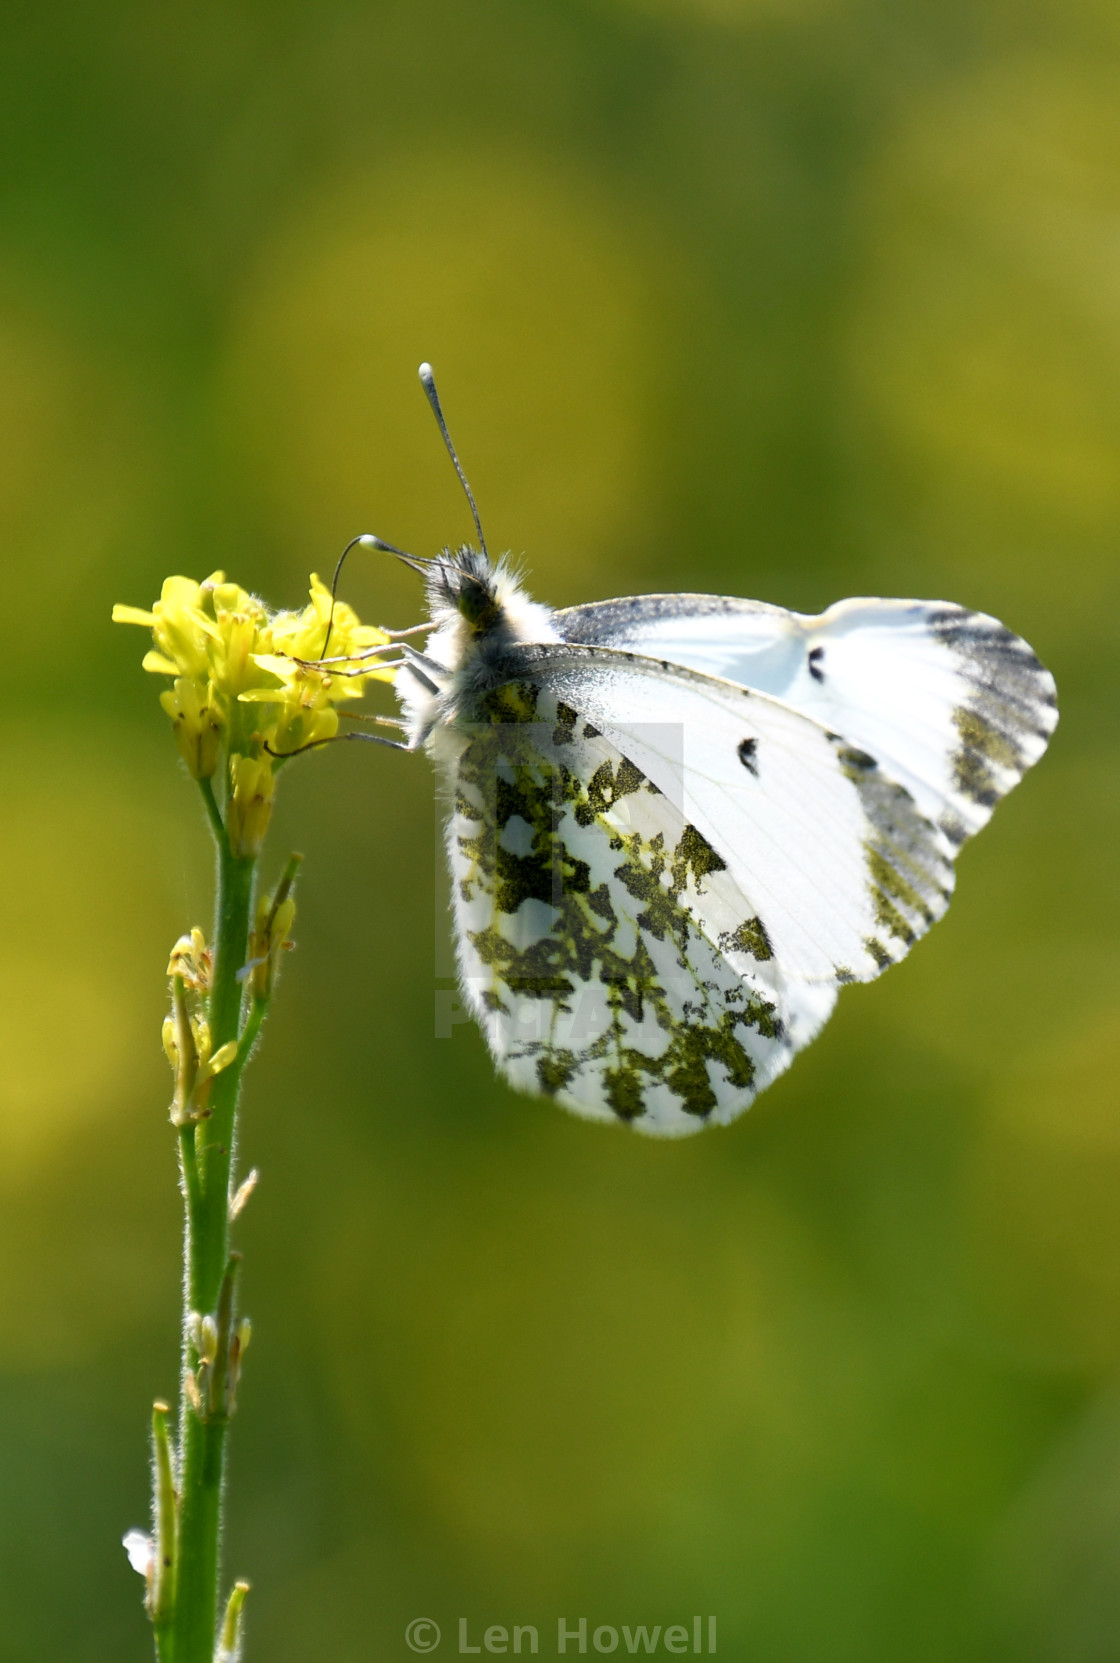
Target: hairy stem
207,1155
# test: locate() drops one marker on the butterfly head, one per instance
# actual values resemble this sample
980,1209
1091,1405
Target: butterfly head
462,584
479,616
479,608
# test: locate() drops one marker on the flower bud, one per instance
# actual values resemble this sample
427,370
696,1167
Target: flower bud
222,1058
191,959
269,935
165,1510
229,1642
197,725
244,1191
180,1041
252,786
240,632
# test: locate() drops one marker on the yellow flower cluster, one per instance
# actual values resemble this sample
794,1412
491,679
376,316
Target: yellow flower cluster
245,684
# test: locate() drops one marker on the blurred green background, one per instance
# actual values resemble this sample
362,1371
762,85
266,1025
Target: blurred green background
784,298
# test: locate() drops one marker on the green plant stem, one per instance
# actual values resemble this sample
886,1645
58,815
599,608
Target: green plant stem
207,1152
202,1462
213,812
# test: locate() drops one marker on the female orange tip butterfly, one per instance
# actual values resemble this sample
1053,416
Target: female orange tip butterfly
677,824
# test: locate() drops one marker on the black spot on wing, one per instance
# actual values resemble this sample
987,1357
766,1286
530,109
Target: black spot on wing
816,663
851,757
748,755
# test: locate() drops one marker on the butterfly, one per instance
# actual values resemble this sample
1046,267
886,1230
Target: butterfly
677,824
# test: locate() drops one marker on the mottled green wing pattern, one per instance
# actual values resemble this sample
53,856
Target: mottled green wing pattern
612,960
838,859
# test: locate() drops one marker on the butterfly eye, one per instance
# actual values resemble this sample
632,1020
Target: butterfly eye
477,604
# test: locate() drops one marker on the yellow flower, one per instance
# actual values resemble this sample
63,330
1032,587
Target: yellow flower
306,698
246,681
190,959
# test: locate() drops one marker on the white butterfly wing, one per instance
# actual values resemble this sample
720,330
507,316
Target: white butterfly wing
848,873
660,880
580,950
953,705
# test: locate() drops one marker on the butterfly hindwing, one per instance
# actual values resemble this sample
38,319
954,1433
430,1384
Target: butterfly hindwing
612,963
643,921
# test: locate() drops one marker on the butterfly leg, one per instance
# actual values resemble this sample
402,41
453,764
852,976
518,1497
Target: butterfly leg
361,716
339,738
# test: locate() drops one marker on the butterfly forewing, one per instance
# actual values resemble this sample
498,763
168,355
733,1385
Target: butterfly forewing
845,870
952,704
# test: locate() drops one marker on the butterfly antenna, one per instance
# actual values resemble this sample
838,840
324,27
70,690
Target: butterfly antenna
429,384
366,541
